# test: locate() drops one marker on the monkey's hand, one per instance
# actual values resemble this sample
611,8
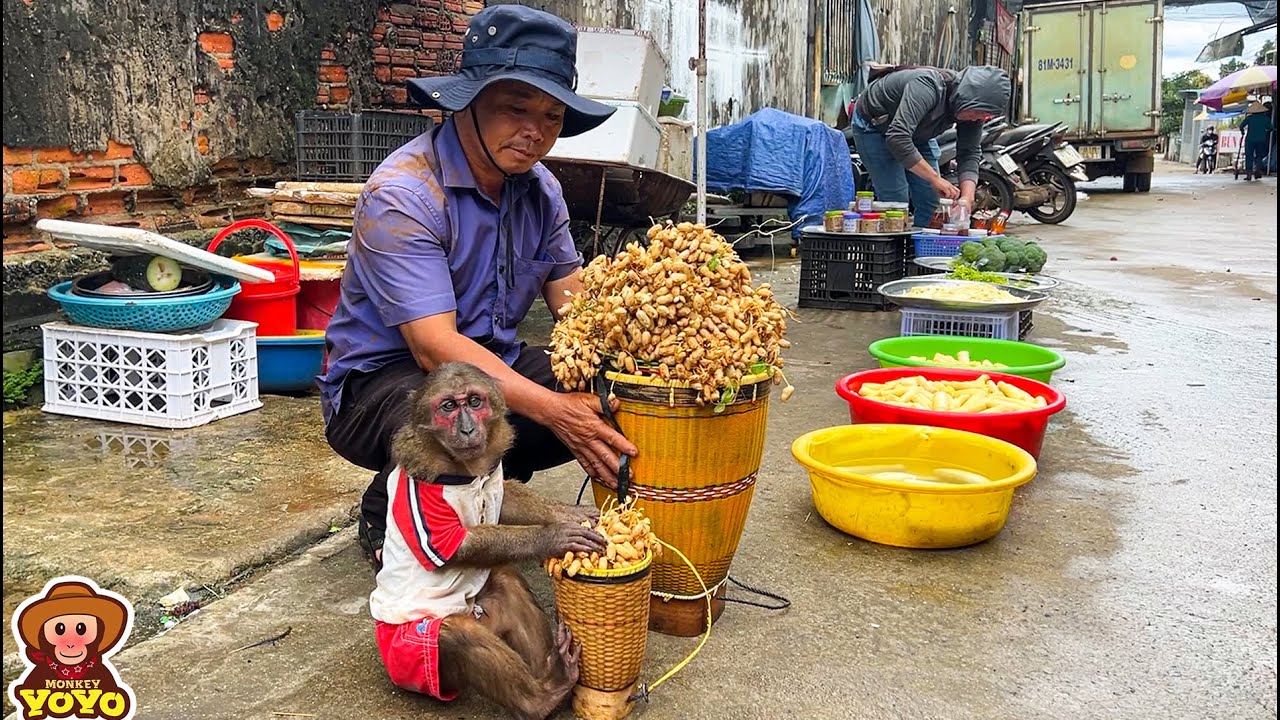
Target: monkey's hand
576,514
572,537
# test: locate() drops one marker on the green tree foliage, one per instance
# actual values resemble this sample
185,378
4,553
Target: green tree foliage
1231,66
1266,54
1171,100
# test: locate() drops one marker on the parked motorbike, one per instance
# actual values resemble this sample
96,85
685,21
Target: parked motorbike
1207,161
1029,168
1026,167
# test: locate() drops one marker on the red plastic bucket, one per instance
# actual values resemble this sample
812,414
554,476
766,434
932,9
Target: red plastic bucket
317,302
273,305
1024,429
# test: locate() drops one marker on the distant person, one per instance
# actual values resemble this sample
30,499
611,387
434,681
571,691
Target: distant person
896,122
1208,160
1257,130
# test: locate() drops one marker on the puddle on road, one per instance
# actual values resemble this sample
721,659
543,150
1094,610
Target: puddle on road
1237,284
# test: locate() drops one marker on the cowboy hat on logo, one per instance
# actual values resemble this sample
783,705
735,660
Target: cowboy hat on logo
74,598
514,42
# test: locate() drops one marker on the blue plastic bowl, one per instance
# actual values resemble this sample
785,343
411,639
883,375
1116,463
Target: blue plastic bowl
147,314
290,363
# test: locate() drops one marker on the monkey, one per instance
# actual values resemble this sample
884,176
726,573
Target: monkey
69,651
68,635
451,612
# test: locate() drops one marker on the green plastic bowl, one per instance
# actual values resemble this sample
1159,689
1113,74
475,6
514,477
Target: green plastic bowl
1023,359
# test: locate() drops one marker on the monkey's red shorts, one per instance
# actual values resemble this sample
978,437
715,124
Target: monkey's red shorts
411,654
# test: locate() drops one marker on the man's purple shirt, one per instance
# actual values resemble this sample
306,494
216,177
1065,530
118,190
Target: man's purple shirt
426,241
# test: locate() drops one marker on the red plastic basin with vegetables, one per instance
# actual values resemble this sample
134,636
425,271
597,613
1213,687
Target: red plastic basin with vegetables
1024,428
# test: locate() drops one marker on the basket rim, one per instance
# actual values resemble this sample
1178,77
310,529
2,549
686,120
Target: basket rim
225,288
657,382
613,575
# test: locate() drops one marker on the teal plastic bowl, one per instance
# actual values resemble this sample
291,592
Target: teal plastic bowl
1024,359
289,364
145,314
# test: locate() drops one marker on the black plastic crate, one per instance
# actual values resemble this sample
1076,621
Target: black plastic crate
842,272
347,147
914,270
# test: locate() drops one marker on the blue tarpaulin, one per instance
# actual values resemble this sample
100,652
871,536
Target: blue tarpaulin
775,151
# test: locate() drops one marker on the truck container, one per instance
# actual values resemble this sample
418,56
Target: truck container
1095,66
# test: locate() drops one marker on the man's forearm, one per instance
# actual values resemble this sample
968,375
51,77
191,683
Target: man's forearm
967,189
923,169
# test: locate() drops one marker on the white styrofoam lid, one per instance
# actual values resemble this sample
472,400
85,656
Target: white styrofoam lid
136,241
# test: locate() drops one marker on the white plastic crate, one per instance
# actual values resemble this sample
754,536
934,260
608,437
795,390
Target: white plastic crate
1000,326
155,379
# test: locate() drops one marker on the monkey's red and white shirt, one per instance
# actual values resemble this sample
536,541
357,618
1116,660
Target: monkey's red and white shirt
417,587
426,523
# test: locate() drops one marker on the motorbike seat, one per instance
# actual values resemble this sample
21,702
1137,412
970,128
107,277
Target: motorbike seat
1014,135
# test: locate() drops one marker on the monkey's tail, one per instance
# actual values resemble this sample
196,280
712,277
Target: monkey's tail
642,692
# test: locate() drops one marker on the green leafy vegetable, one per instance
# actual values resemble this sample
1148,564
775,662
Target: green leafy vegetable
966,272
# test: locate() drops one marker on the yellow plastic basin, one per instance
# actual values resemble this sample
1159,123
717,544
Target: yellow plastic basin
907,515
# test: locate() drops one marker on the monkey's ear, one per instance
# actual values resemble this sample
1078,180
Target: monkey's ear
415,395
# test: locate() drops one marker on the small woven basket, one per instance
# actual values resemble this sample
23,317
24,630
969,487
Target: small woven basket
608,612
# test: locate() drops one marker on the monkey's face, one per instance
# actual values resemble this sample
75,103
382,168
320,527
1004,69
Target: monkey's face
461,421
71,636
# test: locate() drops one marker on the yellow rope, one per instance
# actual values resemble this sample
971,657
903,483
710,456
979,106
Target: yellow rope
680,666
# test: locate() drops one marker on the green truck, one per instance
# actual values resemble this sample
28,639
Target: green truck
1095,67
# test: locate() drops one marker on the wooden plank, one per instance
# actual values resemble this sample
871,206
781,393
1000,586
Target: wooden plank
316,221
307,196
297,208
355,188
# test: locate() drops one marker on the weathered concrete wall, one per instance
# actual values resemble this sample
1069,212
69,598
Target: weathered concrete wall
78,74
161,115
910,30
757,50
917,32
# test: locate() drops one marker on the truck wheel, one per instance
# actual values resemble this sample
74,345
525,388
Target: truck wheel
1130,182
1142,182
1062,201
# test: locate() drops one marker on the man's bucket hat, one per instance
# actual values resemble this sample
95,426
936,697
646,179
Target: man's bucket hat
514,42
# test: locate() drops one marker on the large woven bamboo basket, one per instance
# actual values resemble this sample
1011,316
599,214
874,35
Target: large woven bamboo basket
608,612
695,474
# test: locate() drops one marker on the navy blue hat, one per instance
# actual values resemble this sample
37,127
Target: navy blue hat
514,42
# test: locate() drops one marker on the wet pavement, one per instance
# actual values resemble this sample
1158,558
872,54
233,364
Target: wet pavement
1135,578
145,510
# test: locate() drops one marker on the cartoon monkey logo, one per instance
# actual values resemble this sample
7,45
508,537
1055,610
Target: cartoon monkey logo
66,633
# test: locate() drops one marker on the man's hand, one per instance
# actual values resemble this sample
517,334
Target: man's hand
945,189
576,418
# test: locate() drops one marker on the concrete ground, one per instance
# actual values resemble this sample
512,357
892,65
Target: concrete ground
1136,576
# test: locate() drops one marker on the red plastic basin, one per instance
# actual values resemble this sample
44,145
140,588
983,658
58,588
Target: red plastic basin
1024,428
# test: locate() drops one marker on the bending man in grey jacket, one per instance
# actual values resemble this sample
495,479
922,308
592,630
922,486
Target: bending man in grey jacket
897,120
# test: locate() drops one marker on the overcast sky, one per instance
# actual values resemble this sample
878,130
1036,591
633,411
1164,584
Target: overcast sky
1186,30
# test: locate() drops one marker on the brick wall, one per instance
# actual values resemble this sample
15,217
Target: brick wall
114,186
414,38
111,186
